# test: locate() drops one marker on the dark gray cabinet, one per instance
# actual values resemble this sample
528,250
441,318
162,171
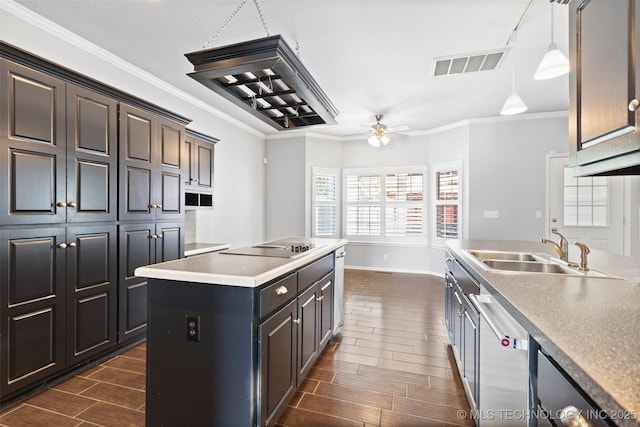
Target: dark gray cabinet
308,331
142,244
58,293
326,307
198,160
278,350
60,150
604,98
151,183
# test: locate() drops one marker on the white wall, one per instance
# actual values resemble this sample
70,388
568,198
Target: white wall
239,197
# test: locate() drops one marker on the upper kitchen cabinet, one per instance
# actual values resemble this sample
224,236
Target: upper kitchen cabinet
198,167
604,137
33,140
60,151
150,166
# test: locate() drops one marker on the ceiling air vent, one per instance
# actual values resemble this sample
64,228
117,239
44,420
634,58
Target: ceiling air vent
468,63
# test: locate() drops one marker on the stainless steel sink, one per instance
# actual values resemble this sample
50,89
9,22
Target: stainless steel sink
529,262
508,256
528,267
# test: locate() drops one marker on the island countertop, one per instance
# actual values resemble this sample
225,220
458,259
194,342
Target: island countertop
235,270
589,325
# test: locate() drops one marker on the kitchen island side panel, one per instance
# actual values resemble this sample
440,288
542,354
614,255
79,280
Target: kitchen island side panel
205,382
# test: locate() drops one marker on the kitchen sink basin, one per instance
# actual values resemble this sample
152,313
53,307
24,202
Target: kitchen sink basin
507,256
527,262
529,267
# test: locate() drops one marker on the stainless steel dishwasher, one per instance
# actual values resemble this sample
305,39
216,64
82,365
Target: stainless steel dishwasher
503,365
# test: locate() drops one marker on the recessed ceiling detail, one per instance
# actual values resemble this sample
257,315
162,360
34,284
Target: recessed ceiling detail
265,78
468,63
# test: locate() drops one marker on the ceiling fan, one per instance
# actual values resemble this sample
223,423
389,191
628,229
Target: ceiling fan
379,132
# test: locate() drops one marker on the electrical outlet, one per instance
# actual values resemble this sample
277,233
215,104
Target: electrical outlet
491,214
193,328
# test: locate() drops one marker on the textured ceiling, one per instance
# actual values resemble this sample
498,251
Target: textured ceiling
369,56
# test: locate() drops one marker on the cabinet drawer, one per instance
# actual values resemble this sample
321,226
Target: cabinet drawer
278,293
313,272
557,393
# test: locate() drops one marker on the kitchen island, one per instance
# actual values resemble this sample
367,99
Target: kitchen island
231,336
588,325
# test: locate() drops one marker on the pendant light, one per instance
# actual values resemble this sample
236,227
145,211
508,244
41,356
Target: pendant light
554,63
514,104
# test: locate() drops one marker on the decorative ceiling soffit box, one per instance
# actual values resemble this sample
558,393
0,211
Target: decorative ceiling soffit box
266,78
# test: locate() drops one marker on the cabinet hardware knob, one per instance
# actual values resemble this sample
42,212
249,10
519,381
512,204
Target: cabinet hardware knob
448,259
61,245
71,244
196,180
281,290
61,204
460,313
297,321
634,104
152,206
153,236
72,204
571,416
158,236
320,298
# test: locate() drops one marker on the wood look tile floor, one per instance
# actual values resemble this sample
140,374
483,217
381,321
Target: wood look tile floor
391,366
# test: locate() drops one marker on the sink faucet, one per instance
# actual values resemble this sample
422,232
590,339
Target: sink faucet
584,251
563,248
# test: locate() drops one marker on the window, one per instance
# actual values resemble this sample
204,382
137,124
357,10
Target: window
586,200
385,205
447,222
325,203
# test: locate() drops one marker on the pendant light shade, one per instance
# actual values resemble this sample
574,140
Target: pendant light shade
513,105
554,63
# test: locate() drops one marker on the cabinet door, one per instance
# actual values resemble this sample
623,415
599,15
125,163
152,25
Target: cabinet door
32,312
137,248
603,79
308,333
325,309
456,322
188,162
91,290
168,181
169,241
204,166
137,135
32,138
277,351
91,156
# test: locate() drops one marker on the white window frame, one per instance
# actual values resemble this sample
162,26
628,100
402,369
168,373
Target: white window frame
437,168
315,202
418,239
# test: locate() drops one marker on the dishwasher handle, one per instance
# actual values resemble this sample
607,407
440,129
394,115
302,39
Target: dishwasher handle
504,339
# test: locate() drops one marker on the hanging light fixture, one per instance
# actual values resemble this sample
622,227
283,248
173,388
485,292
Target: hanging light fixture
554,63
514,104
264,77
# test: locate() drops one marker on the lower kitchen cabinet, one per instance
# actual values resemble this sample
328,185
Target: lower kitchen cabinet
308,332
58,293
142,244
278,340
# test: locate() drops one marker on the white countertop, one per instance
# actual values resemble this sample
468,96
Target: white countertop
235,270
191,249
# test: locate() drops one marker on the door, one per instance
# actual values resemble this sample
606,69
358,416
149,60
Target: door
325,309
32,313
91,290
137,248
277,351
32,136
92,123
586,209
307,331
137,136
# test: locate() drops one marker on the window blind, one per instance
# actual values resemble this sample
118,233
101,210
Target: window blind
447,201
